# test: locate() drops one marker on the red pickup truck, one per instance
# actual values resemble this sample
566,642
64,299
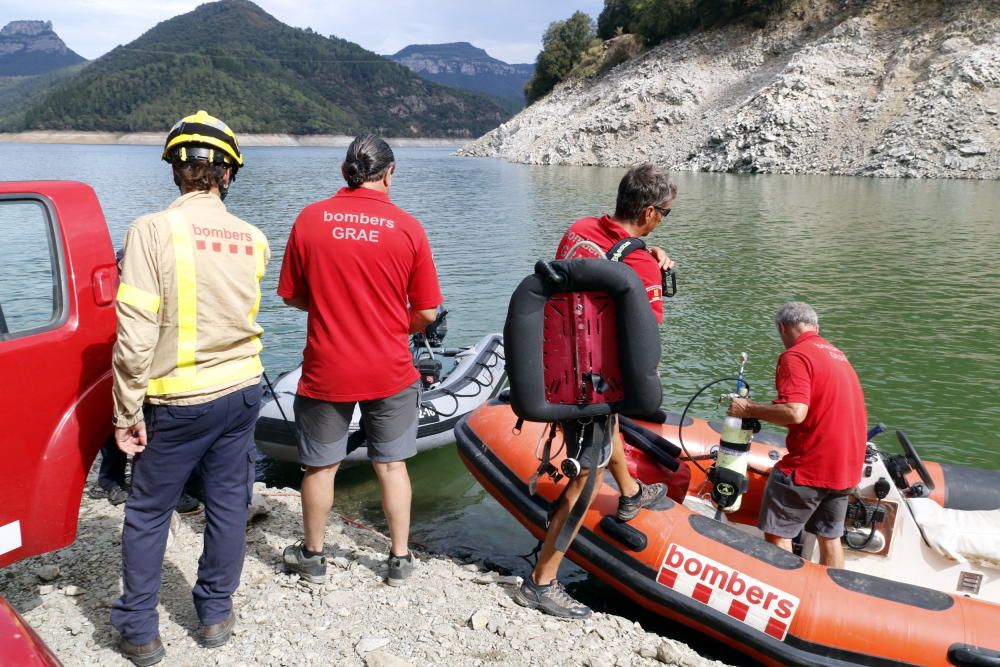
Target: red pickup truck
57,325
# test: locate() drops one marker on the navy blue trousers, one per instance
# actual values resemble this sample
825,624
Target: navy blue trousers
111,472
216,439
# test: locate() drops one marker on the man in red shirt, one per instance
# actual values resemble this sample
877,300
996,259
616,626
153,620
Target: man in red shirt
645,195
362,268
821,402
634,217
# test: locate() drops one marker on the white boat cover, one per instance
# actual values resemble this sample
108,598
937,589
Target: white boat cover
963,535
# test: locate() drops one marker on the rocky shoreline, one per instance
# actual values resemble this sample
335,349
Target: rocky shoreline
449,613
853,87
156,139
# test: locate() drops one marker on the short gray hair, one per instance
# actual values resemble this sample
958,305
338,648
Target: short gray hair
796,312
643,185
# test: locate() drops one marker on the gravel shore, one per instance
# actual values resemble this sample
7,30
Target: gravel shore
449,613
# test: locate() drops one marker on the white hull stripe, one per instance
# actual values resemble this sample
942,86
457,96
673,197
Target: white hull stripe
10,537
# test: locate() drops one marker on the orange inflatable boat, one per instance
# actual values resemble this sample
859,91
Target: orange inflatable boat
921,584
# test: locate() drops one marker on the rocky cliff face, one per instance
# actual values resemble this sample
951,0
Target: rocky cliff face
26,28
32,47
465,66
877,87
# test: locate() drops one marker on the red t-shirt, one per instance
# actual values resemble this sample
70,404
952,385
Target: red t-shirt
605,232
828,448
361,262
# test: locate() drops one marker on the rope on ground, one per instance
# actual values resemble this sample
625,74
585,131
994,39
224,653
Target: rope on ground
364,526
358,524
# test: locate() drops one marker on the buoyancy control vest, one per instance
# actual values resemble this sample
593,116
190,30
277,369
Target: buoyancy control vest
581,342
582,347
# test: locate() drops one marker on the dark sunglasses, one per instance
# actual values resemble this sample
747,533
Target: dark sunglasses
664,211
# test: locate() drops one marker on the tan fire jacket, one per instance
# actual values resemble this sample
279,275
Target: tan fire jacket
187,307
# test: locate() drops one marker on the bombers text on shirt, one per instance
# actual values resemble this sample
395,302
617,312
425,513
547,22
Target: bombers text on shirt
370,234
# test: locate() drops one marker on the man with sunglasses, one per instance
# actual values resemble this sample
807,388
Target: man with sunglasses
645,195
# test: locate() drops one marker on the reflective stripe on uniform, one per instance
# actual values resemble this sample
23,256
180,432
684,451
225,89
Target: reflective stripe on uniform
220,376
187,293
259,252
139,298
187,377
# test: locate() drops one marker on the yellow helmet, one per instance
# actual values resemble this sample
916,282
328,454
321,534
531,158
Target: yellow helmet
203,137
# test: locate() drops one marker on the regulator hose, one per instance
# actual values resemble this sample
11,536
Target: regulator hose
680,426
871,531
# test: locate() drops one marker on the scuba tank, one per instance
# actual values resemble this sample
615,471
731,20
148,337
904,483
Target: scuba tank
729,474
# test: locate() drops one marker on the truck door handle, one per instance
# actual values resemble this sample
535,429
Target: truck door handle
105,282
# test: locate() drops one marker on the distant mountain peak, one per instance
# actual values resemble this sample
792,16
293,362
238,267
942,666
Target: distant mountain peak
459,49
26,28
244,7
32,47
463,65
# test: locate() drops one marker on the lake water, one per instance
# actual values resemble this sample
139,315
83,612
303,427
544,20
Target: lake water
904,274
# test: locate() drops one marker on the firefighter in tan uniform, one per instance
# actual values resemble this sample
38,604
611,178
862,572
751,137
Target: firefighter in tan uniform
186,382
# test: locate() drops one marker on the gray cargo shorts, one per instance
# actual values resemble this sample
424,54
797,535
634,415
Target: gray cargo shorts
596,456
390,427
788,507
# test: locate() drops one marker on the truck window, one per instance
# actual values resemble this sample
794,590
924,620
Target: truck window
31,281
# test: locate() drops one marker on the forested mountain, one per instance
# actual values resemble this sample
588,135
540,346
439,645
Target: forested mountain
463,65
32,47
241,64
20,93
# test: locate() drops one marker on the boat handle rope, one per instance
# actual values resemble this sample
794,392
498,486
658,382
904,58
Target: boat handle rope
489,372
454,395
277,401
475,380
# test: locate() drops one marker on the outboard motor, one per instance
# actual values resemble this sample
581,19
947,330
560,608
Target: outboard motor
430,371
433,335
729,474
438,329
429,367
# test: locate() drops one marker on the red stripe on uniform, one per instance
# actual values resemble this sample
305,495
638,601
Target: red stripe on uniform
233,248
702,593
217,247
200,245
738,610
249,249
775,628
667,577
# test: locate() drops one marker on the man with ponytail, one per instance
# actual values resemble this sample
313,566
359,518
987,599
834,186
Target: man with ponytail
362,269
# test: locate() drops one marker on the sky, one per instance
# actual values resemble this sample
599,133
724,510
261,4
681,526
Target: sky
510,30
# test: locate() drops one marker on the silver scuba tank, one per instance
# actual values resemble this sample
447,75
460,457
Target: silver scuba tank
729,474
